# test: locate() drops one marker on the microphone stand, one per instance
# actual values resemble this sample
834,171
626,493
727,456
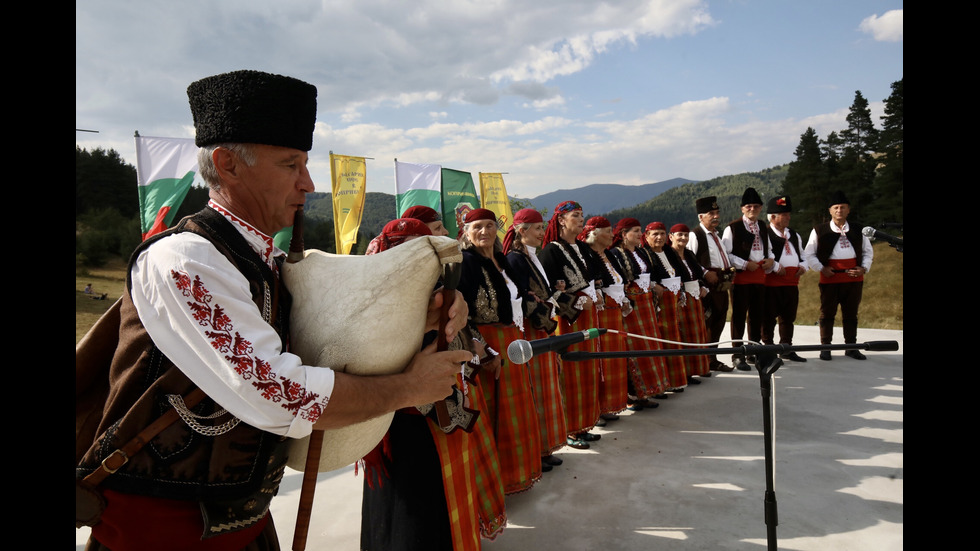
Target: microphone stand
767,362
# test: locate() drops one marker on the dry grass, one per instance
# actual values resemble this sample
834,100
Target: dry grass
881,308
110,279
883,302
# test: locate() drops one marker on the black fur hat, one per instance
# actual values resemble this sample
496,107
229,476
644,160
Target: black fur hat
838,198
751,197
253,107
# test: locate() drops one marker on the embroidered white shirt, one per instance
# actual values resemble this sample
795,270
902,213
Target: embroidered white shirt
197,308
842,248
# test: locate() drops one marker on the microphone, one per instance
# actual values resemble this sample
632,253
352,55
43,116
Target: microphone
520,351
872,233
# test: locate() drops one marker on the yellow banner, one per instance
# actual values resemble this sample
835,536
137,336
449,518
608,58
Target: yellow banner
348,176
493,196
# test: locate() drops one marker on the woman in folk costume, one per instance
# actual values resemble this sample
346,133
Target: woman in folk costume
608,313
690,312
648,376
564,261
665,277
427,215
496,313
424,487
541,301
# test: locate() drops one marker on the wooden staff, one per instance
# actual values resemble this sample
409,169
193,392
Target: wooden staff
312,467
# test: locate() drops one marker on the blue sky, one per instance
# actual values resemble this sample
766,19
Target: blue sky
557,94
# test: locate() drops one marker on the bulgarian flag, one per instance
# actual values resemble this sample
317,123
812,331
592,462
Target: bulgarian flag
417,184
165,169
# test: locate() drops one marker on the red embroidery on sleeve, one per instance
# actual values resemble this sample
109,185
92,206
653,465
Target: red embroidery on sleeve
290,395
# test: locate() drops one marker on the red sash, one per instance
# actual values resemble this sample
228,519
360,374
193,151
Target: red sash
840,268
745,277
789,279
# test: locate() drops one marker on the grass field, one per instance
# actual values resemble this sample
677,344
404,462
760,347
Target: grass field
881,308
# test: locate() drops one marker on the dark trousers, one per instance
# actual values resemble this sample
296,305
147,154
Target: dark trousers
748,309
781,305
848,297
715,305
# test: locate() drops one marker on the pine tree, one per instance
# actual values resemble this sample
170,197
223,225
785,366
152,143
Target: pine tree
806,182
857,164
889,181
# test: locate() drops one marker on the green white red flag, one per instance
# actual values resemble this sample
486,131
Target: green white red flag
165,170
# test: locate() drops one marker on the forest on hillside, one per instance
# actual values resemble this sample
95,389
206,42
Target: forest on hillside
862,160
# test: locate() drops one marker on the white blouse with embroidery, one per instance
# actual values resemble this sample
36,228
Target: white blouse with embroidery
197,308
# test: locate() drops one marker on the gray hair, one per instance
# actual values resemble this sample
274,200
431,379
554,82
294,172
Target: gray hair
205,161
590,239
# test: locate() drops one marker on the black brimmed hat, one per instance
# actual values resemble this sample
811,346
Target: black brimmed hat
779,204
253,107
706,204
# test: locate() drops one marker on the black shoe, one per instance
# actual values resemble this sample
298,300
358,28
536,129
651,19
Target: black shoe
635,406
650,404
678,389
706,375
609,417
719,366
576,443
545,468
742,366
693,381
663,396
588,436
793,357
856,354
825,355
600,422
553,460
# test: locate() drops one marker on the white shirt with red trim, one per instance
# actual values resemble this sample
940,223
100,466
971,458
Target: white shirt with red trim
197,308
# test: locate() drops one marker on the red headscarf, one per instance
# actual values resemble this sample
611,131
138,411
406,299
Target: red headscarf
551,233
655,226
480,214
623,224
593,223
423,213
399,230
680,228
523,216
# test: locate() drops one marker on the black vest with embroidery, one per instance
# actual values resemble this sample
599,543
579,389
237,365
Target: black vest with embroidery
827,239
778,243
233,475
742,240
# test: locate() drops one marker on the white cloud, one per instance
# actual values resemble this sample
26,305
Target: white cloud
557,93
887,28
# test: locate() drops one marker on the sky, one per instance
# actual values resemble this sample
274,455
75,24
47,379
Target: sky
554,94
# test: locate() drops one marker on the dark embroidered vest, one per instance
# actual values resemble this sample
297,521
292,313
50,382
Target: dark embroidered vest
233,475
742,240
533,289
561,262
703,255
484,288
778,243
827,239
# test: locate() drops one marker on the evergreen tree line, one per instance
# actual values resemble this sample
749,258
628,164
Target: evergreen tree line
861,160
864,162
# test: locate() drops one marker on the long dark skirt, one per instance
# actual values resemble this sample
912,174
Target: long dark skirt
407,511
